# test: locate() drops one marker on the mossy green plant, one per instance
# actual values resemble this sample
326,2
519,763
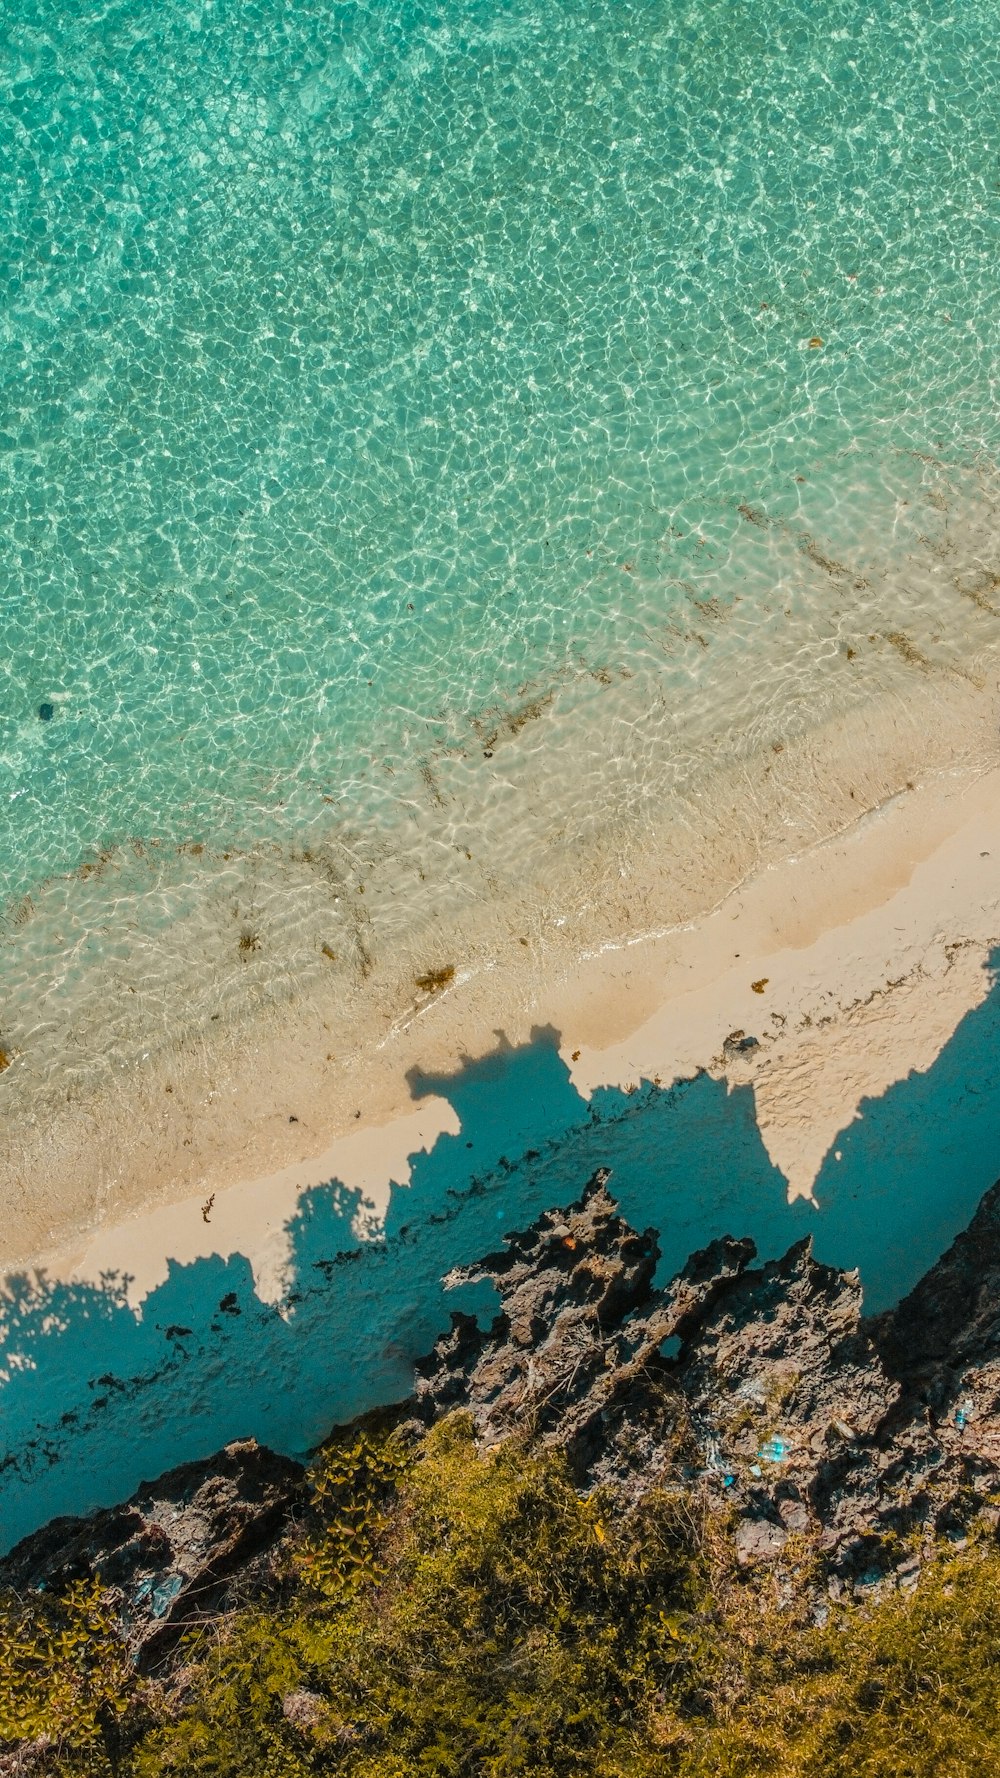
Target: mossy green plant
354,1485
502,1624
66,1682
908,1688
460,1614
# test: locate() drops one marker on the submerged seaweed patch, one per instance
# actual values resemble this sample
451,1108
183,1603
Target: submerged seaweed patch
907,650
435,979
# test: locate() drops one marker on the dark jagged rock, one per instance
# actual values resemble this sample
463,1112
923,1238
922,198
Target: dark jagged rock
184,1547
568,1286
761,1385
575,1356
807,1419
943,1340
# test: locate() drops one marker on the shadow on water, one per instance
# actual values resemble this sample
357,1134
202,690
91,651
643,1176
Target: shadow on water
95,1397
915,1162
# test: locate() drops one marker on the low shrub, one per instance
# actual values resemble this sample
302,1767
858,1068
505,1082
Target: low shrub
447,1614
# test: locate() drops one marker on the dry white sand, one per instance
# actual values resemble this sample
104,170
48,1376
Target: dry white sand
851,962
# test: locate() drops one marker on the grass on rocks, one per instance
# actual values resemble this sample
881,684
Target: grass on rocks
451,1615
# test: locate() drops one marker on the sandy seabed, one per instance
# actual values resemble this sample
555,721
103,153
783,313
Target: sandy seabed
817,952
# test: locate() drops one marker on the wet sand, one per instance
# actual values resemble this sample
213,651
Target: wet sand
827,974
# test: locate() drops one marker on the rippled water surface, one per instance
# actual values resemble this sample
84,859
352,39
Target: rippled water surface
381,385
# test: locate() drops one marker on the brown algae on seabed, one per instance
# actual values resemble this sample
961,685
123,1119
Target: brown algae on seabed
126,1143
435,979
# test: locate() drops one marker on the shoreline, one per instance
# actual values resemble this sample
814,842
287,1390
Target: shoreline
183,1018
871,945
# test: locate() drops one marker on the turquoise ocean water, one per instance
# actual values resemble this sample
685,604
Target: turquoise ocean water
433,441
376,379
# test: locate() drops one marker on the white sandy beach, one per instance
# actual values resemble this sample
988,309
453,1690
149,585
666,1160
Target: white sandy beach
851,960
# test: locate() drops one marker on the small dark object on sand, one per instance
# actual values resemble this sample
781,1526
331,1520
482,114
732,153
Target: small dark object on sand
435,979
46,712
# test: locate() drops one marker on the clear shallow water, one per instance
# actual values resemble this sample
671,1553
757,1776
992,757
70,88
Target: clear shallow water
375,381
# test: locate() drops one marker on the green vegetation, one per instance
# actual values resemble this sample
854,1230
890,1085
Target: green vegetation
449,1615
65,1677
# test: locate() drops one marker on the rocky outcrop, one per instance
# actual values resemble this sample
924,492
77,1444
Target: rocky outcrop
183,1548
943,1340
576,1356
764,1384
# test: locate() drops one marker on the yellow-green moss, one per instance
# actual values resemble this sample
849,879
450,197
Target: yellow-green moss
493,1623
65,1678
448,1615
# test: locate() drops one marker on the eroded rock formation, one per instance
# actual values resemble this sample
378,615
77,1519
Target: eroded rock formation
763,1385
184,1548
